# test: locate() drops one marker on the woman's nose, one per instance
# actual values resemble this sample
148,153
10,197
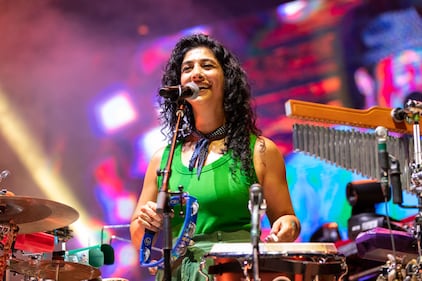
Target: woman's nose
197,73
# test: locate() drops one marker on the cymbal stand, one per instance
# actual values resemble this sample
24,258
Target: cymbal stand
394,267
413,267
416,187
8,232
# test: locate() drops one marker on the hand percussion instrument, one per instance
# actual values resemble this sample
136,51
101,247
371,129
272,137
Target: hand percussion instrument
277,261
185,233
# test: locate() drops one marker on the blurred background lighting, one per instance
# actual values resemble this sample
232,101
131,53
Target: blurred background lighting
116,112
299,10
125,207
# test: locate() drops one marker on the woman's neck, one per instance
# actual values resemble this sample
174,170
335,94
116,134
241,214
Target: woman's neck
206,122
208,126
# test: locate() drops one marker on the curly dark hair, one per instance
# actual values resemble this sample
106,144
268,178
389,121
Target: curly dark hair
240,116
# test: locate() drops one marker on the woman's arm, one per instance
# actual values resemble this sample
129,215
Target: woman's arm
271,171
145,215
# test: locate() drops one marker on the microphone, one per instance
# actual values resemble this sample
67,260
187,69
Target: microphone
98,255
174,93
95,257
255,194
108,252
381,134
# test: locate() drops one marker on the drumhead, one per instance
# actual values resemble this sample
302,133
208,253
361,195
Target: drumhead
270,249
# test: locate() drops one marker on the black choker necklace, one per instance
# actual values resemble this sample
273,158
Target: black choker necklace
201,148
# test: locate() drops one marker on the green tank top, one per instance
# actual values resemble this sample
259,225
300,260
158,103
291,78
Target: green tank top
222,192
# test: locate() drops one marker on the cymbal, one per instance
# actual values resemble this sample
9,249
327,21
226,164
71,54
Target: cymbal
34,214
54,269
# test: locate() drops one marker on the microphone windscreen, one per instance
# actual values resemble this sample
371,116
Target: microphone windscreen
95,257
108,252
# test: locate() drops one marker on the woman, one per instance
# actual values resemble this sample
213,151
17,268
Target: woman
222,122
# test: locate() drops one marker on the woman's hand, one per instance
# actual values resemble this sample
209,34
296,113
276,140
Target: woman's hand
149,218
285,229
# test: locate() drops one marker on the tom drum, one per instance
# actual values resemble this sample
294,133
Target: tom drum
277,262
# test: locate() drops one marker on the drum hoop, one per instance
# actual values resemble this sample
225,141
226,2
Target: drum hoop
270,254
335,266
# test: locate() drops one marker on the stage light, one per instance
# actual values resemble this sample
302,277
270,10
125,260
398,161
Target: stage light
115,112
298,10
33,158
127,255
292,8
151,141
146,145
362,196
125,207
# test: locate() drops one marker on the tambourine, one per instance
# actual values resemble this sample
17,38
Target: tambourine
185,233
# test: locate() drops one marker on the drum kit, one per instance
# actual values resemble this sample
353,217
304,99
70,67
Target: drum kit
20,216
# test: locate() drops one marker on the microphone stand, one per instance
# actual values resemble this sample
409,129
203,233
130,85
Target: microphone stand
163,197
255,258
257,205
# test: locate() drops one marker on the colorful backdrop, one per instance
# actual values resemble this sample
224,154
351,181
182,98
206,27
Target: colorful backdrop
79,122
